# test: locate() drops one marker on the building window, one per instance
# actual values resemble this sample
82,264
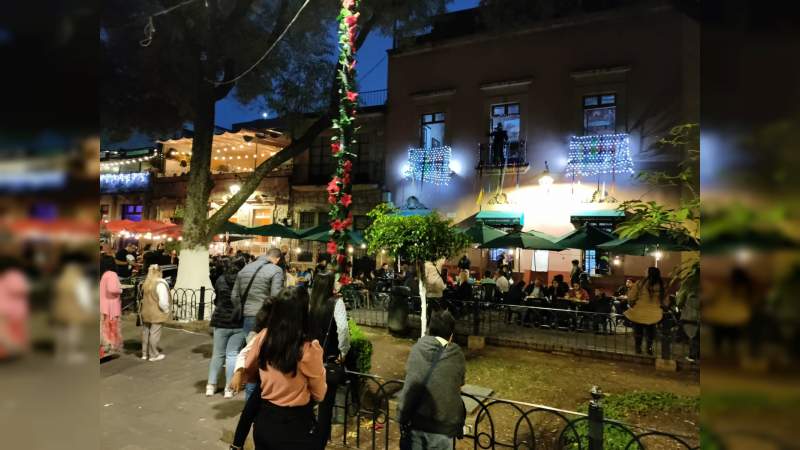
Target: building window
361,223
432,130
321,161
590,261
105,211
322,217
508,115
599,114
132,212
307,219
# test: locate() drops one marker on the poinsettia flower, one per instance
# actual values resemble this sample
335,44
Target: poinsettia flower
352,20
332,199
344,280
352,96
332,248
347,166
333,186
338,225
340,259
335,148
347,199
346,179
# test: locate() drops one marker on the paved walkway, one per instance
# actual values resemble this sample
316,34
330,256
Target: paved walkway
161,405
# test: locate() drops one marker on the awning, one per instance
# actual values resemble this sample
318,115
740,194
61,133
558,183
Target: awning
500,218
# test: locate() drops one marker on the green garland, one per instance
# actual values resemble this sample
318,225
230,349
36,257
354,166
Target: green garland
340,187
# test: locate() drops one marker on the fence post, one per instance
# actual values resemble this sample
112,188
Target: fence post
596,419
201,307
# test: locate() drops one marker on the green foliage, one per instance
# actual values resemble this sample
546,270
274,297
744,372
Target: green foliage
179,211
418,238
623,407
359,359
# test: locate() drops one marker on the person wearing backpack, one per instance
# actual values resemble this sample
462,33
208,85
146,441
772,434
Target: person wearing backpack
430,411
226,322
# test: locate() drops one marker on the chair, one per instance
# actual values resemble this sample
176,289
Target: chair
564,315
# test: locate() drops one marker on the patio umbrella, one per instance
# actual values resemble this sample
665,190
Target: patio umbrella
587,237
234,228
313,230
648,242
355,237
754,239
274,230
479,233
530,240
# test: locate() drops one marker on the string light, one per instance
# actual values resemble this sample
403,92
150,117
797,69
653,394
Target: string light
122,162
124,182
429,165
599,154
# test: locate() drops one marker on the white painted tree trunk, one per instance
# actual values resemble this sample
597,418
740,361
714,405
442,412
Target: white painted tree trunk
423,315
193,273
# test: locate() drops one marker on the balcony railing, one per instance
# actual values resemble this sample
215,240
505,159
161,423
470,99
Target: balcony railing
514,157
372,98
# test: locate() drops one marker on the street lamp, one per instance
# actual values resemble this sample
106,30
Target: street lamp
545,180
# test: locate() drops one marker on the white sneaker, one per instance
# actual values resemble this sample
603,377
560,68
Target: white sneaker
210,389
228,393
158,358
144,357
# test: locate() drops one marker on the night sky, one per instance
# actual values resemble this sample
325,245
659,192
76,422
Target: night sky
372,54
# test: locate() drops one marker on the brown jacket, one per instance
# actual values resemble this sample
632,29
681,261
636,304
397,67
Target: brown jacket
150,311
67,308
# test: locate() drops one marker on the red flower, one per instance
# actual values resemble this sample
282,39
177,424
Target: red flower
346,179
344,280
332,199
338,225
348,4
352,96
340,259
347,199
332,248
352,20
333,186
347,166
335,148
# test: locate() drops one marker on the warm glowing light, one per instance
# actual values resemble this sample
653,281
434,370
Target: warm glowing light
298,250
349,249
234,188
658,254
363,245
545,180
616,261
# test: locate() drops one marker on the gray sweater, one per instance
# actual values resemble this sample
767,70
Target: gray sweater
439,408
268,282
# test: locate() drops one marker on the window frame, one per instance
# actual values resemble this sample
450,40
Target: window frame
598,105
434,120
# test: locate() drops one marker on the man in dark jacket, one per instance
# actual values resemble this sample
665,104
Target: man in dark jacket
434,411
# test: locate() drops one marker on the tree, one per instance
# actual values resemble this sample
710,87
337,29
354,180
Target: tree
420,239
683,221
192,54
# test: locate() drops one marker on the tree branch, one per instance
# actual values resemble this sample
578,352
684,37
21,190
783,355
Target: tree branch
295,148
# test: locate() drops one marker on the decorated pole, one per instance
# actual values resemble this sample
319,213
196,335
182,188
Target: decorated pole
340,187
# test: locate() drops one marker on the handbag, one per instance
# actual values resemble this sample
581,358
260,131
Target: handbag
334,372
413,403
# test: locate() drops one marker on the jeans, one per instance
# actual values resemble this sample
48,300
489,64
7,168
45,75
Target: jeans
284,428
421,440
249,322
227,343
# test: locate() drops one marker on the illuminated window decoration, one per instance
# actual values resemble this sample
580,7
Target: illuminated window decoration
124,182
599,154
429,165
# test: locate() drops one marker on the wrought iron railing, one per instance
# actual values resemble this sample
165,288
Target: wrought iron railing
187,304
366,407
372,98
514,155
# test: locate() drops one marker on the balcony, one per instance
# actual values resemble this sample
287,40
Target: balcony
513,160
367,99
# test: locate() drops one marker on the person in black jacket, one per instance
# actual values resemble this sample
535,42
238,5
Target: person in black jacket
226,321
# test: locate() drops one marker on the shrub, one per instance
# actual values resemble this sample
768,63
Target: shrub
359,359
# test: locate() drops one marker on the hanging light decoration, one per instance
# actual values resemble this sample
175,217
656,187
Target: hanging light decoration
599,154
429,165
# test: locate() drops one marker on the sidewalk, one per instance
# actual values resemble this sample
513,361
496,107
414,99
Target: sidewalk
161,405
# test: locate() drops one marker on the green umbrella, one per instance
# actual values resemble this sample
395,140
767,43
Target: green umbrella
479,233
313,230
355,237
754,239
647,242
234,228
587,237
531,240
274,230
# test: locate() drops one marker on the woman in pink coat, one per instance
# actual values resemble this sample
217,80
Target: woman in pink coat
13,313
110,311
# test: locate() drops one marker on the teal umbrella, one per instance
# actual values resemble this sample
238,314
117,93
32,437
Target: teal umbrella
274,230
587,237
530,240
648,242
757,240
479,233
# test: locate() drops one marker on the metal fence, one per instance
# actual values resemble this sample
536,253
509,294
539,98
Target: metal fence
372,98
187,304
366,410
540,327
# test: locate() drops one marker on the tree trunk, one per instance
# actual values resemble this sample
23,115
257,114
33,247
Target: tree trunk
193,270
423,315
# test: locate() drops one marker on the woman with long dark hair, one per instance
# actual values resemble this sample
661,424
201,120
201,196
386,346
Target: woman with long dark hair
329,326
646,300
226,323
289,365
